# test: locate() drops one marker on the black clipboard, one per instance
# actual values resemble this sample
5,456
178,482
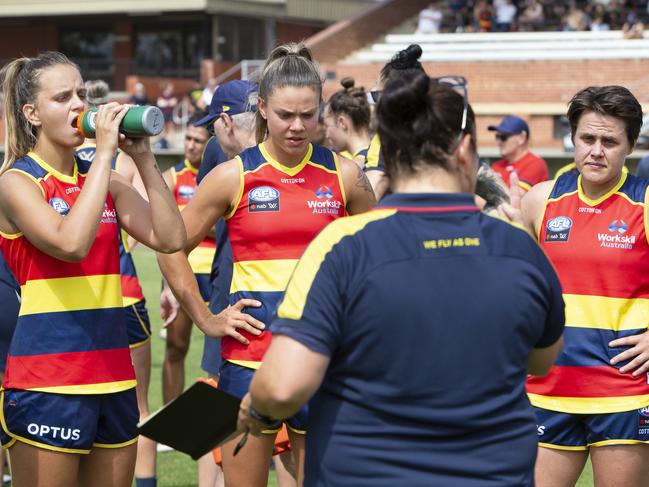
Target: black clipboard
196,422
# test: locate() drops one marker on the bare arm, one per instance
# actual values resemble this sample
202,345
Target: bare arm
212,200
67,238
279,388
126,167
360,196
379,181
156,223
541,360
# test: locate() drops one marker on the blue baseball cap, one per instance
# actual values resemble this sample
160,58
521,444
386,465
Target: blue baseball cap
511,125
233,98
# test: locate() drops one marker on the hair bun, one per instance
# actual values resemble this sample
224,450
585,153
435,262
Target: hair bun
347,82
289,49
407,58
413,52
96,92
402,97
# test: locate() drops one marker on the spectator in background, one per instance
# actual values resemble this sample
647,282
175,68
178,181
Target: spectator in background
505,15
616,19
512,137
166,102
459,9
575,20
208,92
430,20
482,15
195,98
532,17
139,97
600,19
633,28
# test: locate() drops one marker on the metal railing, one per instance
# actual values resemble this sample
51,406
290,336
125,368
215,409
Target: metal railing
245,67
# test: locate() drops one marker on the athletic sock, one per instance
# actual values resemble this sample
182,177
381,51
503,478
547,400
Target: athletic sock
146,482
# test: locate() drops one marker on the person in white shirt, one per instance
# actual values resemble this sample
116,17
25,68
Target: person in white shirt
430,20
505,15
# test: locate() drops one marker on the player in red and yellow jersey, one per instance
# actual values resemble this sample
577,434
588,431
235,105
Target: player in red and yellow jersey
181,179
275,197
592,223
347,121
69,383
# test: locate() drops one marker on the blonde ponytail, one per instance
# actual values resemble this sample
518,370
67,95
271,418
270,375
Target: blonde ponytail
20,85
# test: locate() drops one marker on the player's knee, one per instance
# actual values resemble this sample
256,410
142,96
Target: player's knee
176,350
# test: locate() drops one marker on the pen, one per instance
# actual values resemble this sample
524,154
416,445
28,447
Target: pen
242,442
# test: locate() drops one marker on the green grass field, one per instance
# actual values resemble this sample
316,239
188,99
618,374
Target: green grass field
176,469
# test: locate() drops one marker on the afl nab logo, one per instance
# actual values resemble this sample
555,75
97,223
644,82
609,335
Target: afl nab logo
558,229
559,224
617,226
185,192
60,206
644,412
263,198
324,192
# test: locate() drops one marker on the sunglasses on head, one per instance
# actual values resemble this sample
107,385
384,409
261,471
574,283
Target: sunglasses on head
458,83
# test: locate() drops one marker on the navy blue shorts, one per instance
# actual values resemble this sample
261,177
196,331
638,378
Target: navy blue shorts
204,286
235,379
565,431
71,423
211,361
138,326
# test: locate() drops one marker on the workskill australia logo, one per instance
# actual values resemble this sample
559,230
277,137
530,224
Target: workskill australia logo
324,192
109,215
616,237
558,229
325,204
263,199
60,205
617,226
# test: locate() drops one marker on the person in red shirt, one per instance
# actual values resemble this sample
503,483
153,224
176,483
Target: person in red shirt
512,137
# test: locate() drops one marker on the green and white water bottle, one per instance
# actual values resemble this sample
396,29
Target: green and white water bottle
139,121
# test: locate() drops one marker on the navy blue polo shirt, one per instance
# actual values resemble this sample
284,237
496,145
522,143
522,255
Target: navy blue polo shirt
428,310
213,155
221,274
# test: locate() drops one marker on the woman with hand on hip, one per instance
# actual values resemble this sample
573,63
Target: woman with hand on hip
275,198
592,223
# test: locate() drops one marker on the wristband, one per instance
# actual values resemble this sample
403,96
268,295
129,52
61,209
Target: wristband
271,423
